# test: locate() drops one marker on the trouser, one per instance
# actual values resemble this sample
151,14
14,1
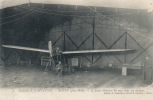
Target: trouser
59,71
58,58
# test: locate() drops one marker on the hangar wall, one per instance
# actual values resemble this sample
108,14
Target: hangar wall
80,31
106,34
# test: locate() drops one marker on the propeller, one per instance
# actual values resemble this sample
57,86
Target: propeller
51,54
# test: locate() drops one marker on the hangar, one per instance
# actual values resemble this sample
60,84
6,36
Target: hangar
73,26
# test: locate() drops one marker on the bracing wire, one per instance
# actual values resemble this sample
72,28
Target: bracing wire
120,24
50,13
76,10
56,14
59,14
16,19
14,15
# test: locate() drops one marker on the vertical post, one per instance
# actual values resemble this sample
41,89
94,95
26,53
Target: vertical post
93,38
125,45
147,74
116,10
138,11
64,41
42,5
29,3
76,7
106,23
59,6
95,9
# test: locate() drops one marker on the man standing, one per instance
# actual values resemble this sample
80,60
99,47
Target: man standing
59,69
58,54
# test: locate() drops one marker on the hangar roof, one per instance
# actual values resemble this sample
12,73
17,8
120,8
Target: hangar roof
131,4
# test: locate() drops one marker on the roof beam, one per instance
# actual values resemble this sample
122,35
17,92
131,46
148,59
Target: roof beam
131,4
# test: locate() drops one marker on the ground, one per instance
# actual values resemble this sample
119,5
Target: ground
33,76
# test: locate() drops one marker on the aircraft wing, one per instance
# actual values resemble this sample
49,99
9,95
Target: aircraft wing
79,52
26,48
96,51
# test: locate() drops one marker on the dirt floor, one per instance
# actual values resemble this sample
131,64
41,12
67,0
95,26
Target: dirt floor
35,77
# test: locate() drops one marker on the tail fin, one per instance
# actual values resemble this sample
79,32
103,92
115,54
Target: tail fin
50,48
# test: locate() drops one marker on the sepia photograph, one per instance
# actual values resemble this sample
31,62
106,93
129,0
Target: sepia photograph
76,49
